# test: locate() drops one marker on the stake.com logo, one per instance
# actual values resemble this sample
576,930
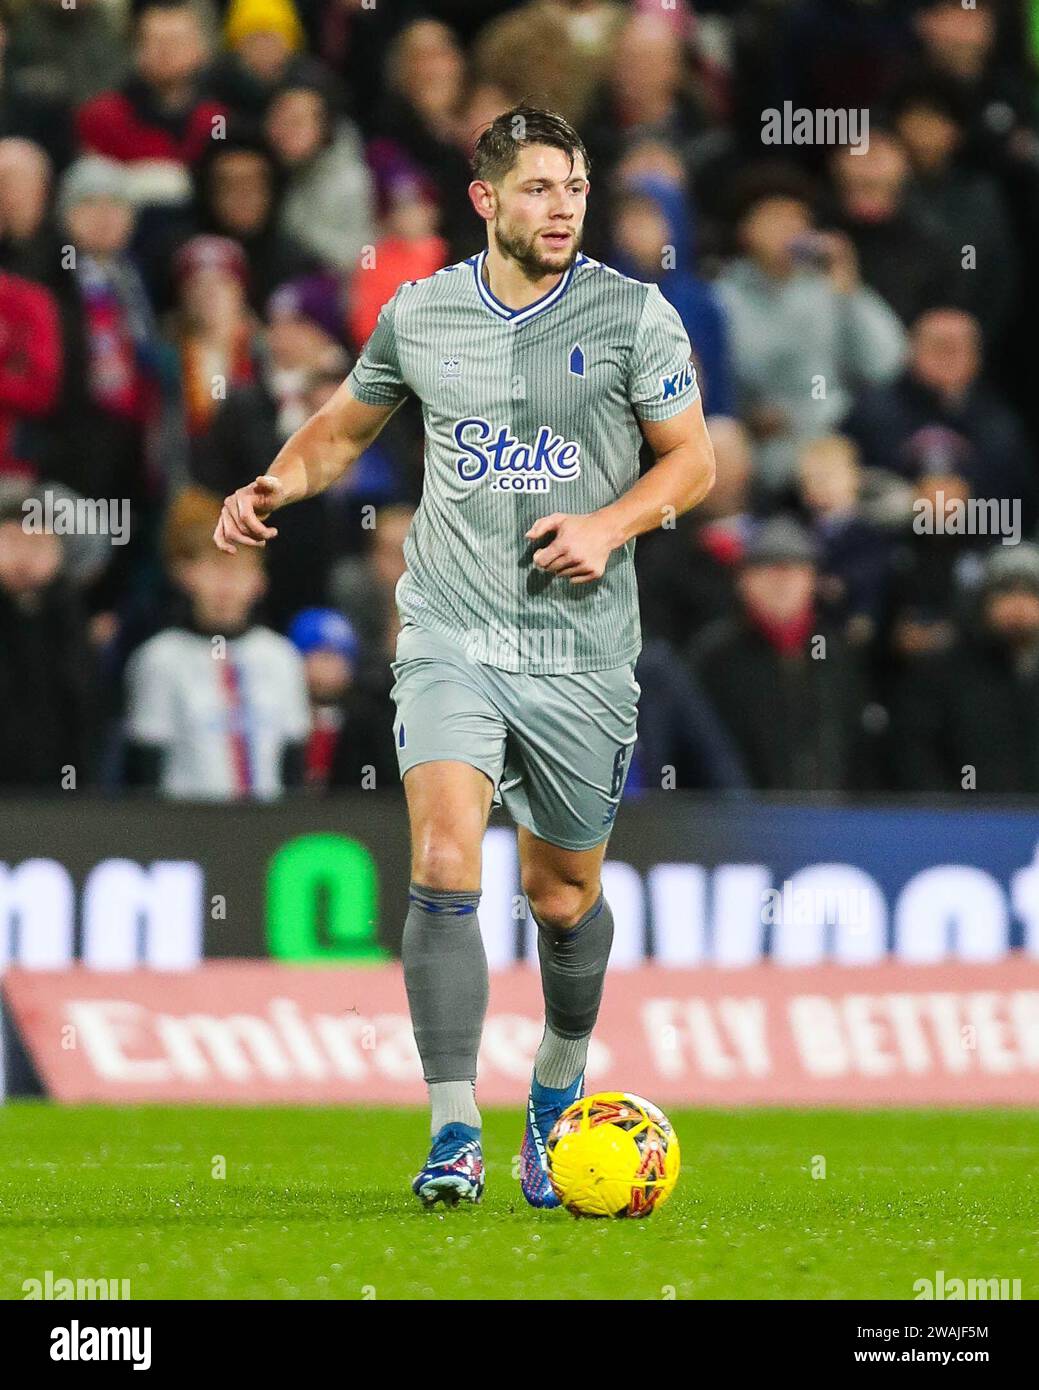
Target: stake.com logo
515,466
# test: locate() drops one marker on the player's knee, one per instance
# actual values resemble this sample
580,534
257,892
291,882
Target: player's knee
560,904
446,864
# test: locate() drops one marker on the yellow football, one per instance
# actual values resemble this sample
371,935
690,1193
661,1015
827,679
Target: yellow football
613,1154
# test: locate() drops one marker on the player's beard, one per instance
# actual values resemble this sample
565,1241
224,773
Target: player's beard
523,250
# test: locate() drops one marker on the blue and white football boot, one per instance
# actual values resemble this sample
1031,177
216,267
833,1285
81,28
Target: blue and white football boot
544,1107
453,1172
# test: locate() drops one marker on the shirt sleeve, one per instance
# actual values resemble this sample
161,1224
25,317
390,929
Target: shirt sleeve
151,695
377,378
661,377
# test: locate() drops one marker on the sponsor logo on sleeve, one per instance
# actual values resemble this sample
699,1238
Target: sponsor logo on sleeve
675,385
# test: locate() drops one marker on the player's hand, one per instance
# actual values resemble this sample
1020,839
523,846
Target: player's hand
578,550
244,512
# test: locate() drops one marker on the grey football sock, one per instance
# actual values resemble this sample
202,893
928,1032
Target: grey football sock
560,1061
452,1102
573,967
445,974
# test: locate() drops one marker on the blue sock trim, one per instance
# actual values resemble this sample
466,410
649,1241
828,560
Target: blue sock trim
443,902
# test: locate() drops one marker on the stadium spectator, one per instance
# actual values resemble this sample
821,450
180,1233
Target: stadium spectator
33,110
363,587
301,364
965,718
854,553
536,48
265,50
259,415
157,120
805,332
958,43
930,566
941,417
418,128
904,254
216,706
425,71
781,681
647,94
594,27
683,743
828,54
328,201
652,242
29,244
46,674
968,204
216,334
113,390
320,526
687,572
237,197
85,550
32,246
305,332
408,248
30,367
63,53
993,82
649,159
351,42
351,739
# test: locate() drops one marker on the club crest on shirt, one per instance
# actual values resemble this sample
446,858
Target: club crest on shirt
450,367
512,464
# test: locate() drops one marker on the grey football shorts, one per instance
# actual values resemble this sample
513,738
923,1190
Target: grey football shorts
555,747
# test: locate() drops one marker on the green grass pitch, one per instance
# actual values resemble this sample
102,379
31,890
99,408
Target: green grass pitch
315,1204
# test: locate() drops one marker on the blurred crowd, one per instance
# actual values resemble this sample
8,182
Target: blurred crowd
202,209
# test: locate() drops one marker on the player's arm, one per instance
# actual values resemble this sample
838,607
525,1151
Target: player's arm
682,476
665,398
328,445
312,459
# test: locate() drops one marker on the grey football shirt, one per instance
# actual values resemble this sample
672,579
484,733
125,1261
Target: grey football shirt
526,412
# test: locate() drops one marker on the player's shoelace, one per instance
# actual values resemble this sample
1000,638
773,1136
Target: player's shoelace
544,1107
453,1172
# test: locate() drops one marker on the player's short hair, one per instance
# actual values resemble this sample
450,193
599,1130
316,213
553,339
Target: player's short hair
498,148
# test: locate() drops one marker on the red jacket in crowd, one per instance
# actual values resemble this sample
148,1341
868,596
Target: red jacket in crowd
125,125
30,360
